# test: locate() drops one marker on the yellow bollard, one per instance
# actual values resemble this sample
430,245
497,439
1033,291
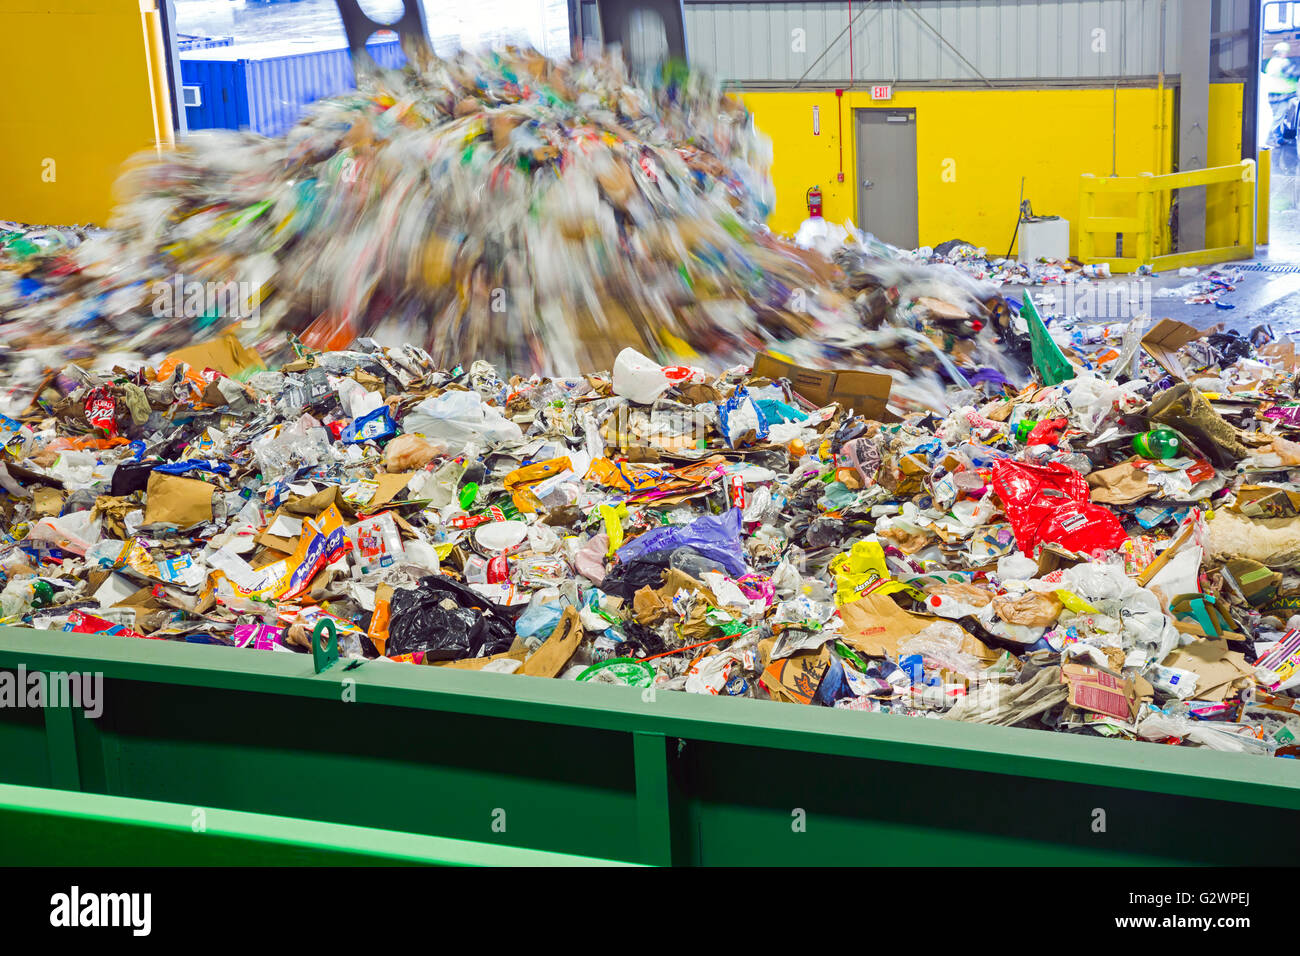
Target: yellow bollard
1262,190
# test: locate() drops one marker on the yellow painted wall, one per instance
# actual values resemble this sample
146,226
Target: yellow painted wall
75,82
985,140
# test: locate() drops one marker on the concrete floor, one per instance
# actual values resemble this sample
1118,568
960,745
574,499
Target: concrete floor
1261,297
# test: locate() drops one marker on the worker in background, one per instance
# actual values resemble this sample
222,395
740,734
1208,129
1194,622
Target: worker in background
1280,83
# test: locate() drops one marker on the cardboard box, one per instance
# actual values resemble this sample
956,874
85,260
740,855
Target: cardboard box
1100,692
865,392
1164,340
1282,354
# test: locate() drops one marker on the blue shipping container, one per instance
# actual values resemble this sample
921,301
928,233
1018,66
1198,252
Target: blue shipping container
263,87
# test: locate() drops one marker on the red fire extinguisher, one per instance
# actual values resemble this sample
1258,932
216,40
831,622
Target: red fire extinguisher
814,198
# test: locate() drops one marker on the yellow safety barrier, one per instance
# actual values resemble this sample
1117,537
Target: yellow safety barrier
1143,225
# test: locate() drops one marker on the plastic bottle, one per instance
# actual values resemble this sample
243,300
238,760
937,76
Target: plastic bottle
945,605
378,544
1158,443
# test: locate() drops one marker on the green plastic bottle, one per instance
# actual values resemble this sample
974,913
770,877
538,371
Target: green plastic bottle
1157,444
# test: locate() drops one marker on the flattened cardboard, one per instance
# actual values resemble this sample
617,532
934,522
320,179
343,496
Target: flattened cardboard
866,392
796,678
557,649
1164,340
1217,668
390,486
183,502
47,502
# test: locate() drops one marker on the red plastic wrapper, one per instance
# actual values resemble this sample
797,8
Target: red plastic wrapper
1047,432
79,622
1030,493
1083,528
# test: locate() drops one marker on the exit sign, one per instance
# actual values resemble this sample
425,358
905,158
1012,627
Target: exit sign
882,92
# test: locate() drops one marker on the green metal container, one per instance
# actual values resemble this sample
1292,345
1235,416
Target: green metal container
45,827
616,773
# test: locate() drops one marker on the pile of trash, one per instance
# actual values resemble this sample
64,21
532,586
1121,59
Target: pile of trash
869,481
521,210
1102,555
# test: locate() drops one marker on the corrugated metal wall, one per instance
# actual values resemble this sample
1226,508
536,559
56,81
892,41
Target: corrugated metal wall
950,41
1231,43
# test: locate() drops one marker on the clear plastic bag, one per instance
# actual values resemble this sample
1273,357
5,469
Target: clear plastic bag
941,643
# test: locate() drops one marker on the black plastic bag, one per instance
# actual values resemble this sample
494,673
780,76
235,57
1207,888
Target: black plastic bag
446,620
625,579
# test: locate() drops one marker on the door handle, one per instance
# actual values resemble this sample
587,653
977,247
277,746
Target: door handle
867,184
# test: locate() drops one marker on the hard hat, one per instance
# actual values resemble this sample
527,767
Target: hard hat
1282,49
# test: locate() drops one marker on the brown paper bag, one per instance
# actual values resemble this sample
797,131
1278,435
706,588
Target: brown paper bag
180,501
1120,484
478,663
1029,610
874,626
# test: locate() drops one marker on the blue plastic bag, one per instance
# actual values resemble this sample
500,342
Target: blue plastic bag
194,464
778,413
717,537
739,416
539,619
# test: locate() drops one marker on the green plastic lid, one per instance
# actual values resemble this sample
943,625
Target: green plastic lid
626,670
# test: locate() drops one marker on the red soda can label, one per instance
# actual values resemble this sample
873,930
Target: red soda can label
101,411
